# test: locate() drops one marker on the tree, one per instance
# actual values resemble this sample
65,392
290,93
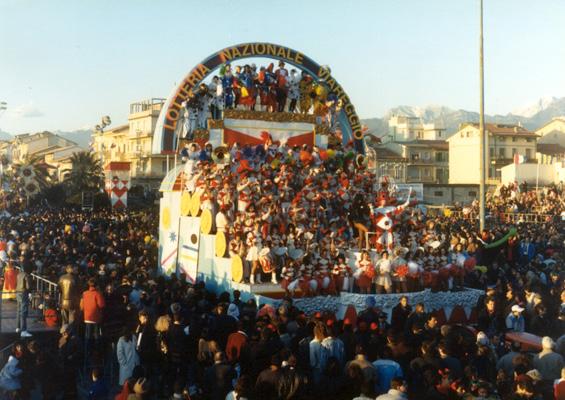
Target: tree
85,173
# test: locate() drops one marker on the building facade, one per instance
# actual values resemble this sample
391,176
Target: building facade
504,141
132,143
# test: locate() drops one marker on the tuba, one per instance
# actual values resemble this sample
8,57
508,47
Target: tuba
361,161
221,155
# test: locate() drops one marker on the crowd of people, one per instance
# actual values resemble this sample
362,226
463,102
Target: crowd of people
293,214
267,89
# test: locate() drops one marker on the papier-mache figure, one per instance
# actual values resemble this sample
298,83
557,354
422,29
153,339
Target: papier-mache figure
383,218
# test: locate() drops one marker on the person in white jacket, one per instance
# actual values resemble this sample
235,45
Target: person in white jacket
10,376
128,358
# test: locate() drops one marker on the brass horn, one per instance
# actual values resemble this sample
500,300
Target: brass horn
221,155
361,161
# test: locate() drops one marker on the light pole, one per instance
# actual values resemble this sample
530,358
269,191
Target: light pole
482,136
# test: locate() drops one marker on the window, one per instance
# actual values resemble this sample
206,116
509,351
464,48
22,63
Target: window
472,193
468,134
438,193
426,155
502,153
491,152
462,134
514,139
427,172
164,166
529,140
415,156
514,151
528,153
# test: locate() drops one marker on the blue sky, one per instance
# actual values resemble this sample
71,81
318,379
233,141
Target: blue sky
63,64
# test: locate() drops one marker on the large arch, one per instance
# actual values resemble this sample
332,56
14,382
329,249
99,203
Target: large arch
164,137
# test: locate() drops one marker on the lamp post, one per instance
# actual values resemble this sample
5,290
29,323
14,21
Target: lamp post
482,136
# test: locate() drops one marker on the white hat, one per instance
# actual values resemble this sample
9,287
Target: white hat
517,308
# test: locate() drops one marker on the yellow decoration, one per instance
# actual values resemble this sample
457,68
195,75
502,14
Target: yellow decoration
236,269
220,244
447,212
206,222
185,204
166,218
195,205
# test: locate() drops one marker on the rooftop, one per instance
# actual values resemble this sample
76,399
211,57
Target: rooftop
501,129
434,144
550,149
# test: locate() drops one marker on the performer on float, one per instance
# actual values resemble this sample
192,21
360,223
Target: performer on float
325,283
306,89
227,85
364,273
293,90
266,263
383,218
290,275
399,272
204,99
383,268
342,275
252,258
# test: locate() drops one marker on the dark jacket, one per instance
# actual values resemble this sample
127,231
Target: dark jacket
218,380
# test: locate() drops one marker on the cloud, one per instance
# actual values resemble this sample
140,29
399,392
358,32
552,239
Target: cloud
25,111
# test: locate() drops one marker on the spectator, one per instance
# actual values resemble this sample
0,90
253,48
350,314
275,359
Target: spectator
92,304
548,362
127,355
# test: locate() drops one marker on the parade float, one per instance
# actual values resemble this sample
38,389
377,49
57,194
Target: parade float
191,242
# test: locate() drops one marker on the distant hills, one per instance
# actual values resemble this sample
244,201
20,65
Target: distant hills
80,136
532,117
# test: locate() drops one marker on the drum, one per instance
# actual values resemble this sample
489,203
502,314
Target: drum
206,222
195,204
185,204
220,244
236,269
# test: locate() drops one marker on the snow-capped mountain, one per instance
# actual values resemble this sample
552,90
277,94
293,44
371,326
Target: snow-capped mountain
531,110
531,118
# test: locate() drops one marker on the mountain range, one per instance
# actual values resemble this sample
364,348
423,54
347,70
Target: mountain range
532,117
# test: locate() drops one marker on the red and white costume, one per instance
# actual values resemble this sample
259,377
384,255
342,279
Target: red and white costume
383,218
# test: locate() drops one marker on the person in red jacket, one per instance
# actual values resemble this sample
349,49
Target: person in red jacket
91,304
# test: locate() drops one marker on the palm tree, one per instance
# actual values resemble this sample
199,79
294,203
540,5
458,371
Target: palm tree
86,173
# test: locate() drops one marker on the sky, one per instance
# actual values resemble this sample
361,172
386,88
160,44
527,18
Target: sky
66,63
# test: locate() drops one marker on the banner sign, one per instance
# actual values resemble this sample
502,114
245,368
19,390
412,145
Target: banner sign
165,131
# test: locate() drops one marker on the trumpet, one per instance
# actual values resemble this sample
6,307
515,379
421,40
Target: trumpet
221,155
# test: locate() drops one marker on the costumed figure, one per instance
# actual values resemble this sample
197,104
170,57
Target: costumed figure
364,273
290,278
383,219
306,89
227,79
400,272
10,280
342,275
293,90
252,258
204,100
384,270
267,265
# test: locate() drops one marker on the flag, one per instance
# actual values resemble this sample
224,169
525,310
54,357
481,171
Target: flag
252,132
519,159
